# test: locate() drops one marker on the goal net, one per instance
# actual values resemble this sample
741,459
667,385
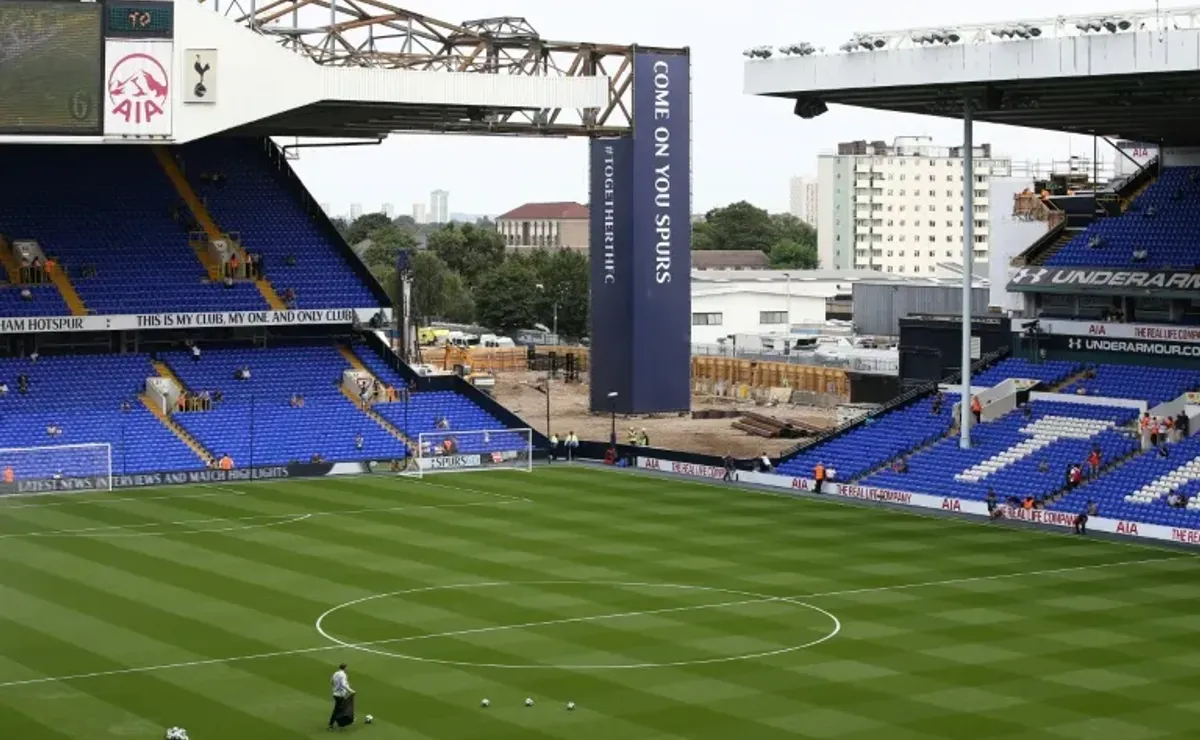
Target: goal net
79,467
478,449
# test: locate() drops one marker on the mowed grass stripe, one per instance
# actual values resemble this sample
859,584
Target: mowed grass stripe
841,689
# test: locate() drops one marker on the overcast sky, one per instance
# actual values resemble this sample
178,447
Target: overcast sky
745,148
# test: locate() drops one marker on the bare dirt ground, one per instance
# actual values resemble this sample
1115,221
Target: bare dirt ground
569,412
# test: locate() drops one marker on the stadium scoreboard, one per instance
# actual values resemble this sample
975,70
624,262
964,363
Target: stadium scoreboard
52,60
139,20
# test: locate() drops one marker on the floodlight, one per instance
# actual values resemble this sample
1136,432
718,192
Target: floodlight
802,48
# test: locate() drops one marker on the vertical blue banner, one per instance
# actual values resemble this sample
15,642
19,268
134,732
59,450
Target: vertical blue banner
611,274
661,233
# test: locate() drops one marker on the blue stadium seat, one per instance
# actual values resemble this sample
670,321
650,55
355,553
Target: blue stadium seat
83,395
1154,385
1050,372
1007,453
873,443
254,198
109,207
112,208
1161,221
1137,491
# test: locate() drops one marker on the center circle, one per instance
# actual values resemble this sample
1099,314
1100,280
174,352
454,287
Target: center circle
738,599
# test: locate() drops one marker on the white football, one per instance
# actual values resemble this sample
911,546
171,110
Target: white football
529,702
368,719
485,703
570,705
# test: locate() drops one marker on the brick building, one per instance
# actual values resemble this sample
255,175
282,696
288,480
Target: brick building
545,226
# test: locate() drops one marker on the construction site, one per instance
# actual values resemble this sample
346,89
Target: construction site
739,407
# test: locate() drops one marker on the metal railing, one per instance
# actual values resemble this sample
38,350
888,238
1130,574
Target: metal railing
871,365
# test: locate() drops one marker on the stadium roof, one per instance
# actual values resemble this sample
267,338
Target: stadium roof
1140,82
376,34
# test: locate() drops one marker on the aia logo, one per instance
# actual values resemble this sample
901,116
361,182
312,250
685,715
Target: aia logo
137,89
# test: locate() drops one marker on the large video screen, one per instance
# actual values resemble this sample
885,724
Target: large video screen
51,67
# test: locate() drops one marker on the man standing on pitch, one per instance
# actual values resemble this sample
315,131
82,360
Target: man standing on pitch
341,692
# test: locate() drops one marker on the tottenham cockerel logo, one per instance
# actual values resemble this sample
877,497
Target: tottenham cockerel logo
137,89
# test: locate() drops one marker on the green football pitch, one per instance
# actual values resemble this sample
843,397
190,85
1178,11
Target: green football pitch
662,608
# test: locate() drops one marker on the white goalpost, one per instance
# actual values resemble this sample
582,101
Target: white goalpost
76,467
451,450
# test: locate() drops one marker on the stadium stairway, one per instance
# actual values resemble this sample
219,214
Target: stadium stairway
171,169
375,416
1065,236
211,229
167,421
164,370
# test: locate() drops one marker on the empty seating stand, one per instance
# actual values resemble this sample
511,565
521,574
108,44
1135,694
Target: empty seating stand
84,396
1162,221
1050,372
112,210
874,442
1017,455
256,423
109,208
1154,385
253,198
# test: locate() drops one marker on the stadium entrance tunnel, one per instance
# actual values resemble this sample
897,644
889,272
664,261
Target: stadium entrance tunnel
577,625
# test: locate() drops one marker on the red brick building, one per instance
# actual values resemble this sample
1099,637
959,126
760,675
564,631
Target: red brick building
545,226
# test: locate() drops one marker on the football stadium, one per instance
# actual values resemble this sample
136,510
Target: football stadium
226,474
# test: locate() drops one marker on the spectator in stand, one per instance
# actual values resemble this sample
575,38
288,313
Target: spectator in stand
976,408
225,462
900,465
3,388
195,352
26,270
442,423
23,383
819,476
1094,463
36,270
643,438
938,400
1175,500
358,441
764,463
1183,425
26,294
572,445
992,508
34,356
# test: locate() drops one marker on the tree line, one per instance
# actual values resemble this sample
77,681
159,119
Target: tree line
463,274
